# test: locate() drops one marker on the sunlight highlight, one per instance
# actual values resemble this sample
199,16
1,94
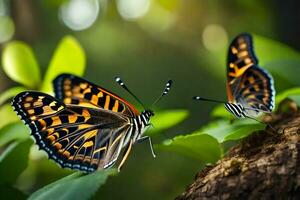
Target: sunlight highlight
79,14
133,9
214,37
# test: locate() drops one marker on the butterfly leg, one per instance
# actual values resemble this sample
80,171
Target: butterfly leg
126,153
150,143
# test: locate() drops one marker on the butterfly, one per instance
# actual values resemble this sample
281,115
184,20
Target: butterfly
250,89
84,127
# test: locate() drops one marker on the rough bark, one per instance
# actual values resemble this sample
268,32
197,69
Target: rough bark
266,165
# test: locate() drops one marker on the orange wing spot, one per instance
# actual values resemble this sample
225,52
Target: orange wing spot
68,82
30,112
67,87
242,54
67,100
94,99
116,106
26,105
85,112
239,72
234,50
68,93
56,121
41,97
251,80
100,94
72,118
51,137
232,65
57,145
88,90
66,153
50,131
47,110
107,100
33,118
76,89
243,45
60,108
88,144
248,61
83,85
53,103
42,123
28,99
90,134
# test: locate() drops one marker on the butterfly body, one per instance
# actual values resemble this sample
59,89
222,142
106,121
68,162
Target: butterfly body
89,134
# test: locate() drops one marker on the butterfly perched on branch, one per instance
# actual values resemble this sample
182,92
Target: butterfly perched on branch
250,89
84,127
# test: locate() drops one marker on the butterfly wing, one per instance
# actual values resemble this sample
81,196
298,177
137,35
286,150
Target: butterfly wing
256,90
75,137
240,58
77,91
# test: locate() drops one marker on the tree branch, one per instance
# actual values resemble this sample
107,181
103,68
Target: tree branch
266,165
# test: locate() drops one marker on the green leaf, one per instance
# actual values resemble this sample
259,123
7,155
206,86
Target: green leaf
268,50
14,160
220,112
8,94
243,130
13,131
223,131
20,64
290,93
7,115
68,57
75,186
281,60
167,119
198,146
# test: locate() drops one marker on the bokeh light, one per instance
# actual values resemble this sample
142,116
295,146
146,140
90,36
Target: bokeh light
133,9
7,28
214,37
158,19
79,14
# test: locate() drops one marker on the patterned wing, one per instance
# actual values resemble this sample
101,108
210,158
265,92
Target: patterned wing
77,91
240,58
256,90
75,137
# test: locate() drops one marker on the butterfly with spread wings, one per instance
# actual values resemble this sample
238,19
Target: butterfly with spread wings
250,89
84,127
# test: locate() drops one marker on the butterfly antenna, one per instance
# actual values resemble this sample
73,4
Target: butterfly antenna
165,92
197,98
122,84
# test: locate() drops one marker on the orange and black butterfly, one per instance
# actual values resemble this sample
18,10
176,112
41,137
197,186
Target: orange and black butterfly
85,127
250,89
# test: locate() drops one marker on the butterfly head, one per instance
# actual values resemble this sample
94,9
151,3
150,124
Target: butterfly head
148,113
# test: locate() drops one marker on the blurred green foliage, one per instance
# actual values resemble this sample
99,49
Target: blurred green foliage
185,41
75,186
